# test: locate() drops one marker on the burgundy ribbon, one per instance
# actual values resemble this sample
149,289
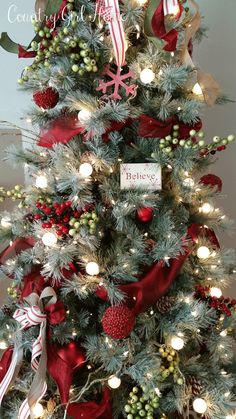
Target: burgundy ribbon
195,230
92,410
157,281
153,128
15,248
159,29
23,53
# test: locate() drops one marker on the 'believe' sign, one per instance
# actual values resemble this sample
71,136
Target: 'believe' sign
140,176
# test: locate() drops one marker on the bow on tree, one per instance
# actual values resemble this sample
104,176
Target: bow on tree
36,314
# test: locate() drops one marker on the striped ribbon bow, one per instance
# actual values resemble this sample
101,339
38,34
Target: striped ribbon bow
28,317
110,11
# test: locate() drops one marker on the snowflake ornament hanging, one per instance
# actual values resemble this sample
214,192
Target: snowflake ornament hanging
117,82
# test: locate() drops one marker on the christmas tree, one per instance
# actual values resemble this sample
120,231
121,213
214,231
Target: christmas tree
115,308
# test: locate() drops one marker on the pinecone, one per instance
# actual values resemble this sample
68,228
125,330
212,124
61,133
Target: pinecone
6,310
164,304
195,384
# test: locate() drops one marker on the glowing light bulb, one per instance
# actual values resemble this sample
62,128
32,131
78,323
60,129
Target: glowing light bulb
147,76
41,182
114,382
197,90
177,343
215,292
203,252
49,239
84,116
200,406
206,208
6,222
85,169
38,410
189,182
142,2
176,10
3,345
92,268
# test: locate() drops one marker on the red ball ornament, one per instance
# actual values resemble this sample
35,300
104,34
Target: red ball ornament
118,322
47,98
212,180
144,215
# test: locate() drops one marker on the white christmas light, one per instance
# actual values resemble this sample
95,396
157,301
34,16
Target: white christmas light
142,2
84,116
215,292
203,252
200,406
85,169
6,222
114,382
189,182
177,343
49,239
92,268
197,90
3,345
147,76
206,208
41,182
38,410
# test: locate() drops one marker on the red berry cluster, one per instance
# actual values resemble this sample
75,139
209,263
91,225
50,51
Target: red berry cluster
222,304
58,215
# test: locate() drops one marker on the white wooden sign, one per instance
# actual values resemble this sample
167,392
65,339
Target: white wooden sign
140,176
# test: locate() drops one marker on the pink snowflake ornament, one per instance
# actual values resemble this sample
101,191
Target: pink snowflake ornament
116,83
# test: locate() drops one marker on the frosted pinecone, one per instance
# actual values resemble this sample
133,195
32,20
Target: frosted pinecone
195,384
6,310
164,304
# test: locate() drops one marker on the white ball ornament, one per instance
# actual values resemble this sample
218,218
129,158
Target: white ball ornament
85,169
147,76
203,252
41,182
84,116
38,410
199,406
177,343
92,268
49,239
6,222
114,382
215,292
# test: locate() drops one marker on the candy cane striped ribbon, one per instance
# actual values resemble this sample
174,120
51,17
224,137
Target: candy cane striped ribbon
27,317
110,10
171,7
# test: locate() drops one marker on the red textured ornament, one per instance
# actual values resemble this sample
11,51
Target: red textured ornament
144,215
118,322
47,98
212,180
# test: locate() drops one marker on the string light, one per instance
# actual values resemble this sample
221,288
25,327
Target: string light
84,116
203,252
197,90
142,2
92,268
49,239
215,292
38,410
114,382
41,182
3,345
200,406
206,208
85,169
177,343
6,222
147,76
224,333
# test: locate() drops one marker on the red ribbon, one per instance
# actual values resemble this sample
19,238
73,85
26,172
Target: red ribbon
56,313
157,281
159,30
92,410
63,361
23,53
15,248
154,128
5,362
195,230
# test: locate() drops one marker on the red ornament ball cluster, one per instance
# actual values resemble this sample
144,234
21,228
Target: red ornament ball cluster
212,181
47,98
59,215
118,322
222,304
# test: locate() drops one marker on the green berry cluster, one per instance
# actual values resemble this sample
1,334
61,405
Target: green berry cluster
65,42
12,292
14,194
169,365
88,219
141,403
